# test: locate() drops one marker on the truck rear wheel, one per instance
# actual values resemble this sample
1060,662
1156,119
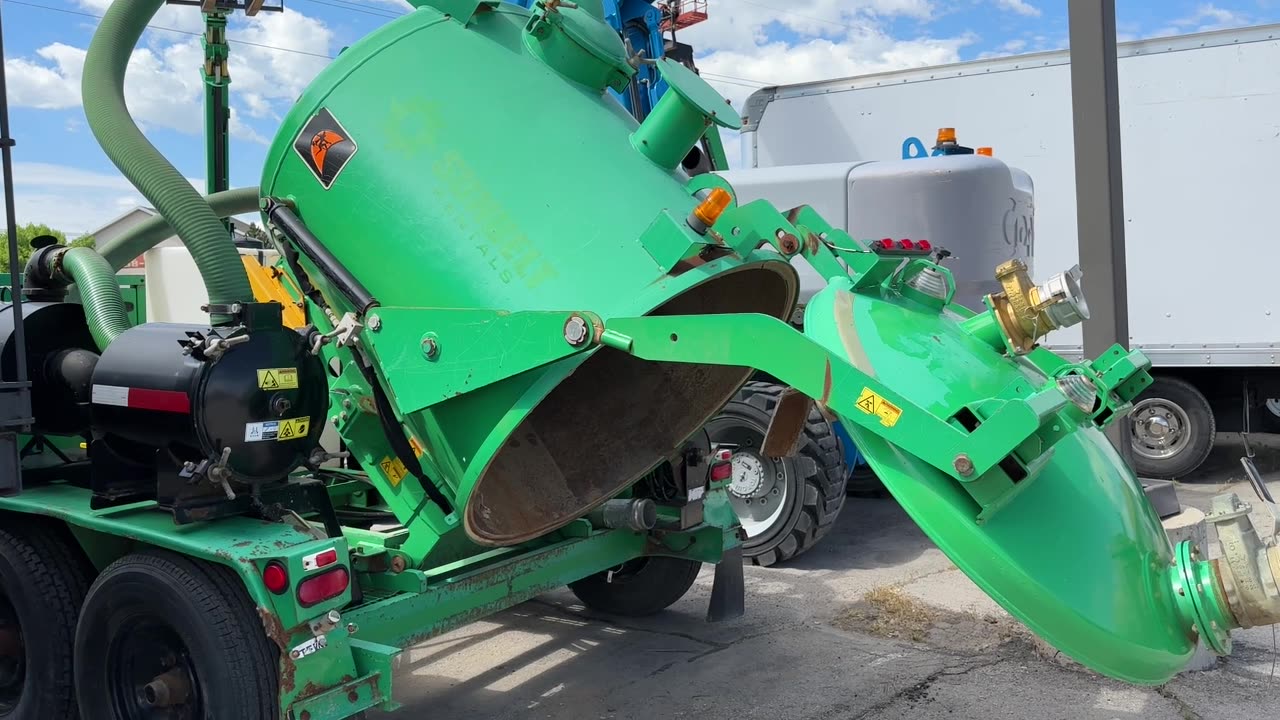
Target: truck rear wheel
785,505
638,587
1173,429
43,579
161,635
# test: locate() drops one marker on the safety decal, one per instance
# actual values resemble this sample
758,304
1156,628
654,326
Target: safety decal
294,429
278,379
872,404
393,469
325,147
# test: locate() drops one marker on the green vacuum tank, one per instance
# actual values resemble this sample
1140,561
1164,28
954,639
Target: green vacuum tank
468,157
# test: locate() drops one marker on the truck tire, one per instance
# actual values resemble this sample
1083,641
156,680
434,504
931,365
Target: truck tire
785,505
43,580
156,624
639,587
1173,429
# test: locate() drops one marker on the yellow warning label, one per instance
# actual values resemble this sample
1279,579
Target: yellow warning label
417,449
393,469
872,404
278,379
294,429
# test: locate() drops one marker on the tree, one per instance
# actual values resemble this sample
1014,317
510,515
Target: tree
26,233
257,233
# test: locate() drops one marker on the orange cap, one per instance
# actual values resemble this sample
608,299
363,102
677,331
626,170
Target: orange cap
709,210
946,135
984,151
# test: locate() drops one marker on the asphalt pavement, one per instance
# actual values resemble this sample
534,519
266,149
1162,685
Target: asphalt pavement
874,623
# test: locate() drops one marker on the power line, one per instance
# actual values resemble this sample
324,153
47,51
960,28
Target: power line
168,29
760,83
340,4
357,7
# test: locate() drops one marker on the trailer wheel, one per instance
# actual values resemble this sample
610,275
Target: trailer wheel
638,587
161,635
43,579
1173,429
785,505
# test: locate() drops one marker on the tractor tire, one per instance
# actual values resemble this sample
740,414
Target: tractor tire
160,632
639,587
786,505
1173,429
43,580
864,483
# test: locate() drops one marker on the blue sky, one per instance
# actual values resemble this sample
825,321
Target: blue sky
64,179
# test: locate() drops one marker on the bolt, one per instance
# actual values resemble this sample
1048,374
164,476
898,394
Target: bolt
295,655
963,465
306,715
430,348
398,564
352,628
342,415
353,696
334,420
346,404
375,323
281,406
334,617
575,330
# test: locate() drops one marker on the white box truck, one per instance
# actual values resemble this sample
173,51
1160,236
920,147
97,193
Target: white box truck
1200,147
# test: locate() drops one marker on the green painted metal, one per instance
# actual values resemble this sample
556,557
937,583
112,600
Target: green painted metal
537,290
681,117
1044,515
217,108
476,236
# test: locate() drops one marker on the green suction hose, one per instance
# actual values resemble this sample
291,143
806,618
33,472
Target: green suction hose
103,95
51,269
146,235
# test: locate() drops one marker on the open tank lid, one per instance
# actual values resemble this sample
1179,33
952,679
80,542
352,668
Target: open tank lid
1077,553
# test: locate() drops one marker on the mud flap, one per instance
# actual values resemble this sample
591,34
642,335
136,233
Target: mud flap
728,590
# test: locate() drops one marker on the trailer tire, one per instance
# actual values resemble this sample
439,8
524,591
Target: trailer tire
638,587
810,486
153,613
44,578
1173,429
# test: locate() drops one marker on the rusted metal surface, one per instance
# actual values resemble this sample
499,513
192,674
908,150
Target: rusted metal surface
280,637
812,242
787,242
782,438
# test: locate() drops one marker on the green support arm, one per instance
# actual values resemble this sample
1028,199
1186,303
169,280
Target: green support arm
772,346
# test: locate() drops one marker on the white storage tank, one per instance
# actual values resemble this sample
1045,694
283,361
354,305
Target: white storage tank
975,206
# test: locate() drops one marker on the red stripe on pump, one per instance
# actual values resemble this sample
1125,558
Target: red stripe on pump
162,400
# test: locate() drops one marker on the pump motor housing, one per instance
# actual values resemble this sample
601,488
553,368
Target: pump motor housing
249,399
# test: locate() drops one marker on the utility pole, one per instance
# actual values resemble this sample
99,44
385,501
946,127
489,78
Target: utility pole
1095,105
217,82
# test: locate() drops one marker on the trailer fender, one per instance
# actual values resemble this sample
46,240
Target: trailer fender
315,652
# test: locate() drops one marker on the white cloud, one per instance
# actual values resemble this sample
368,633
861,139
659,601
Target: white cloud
1021,7
834,38
1206,17
73,200
163,87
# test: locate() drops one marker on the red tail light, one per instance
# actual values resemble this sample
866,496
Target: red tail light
325,586
722,467
275,577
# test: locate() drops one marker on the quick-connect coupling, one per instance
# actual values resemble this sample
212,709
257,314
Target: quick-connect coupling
1239,589
1027,312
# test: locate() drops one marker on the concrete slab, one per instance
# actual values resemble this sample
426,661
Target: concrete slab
802,652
